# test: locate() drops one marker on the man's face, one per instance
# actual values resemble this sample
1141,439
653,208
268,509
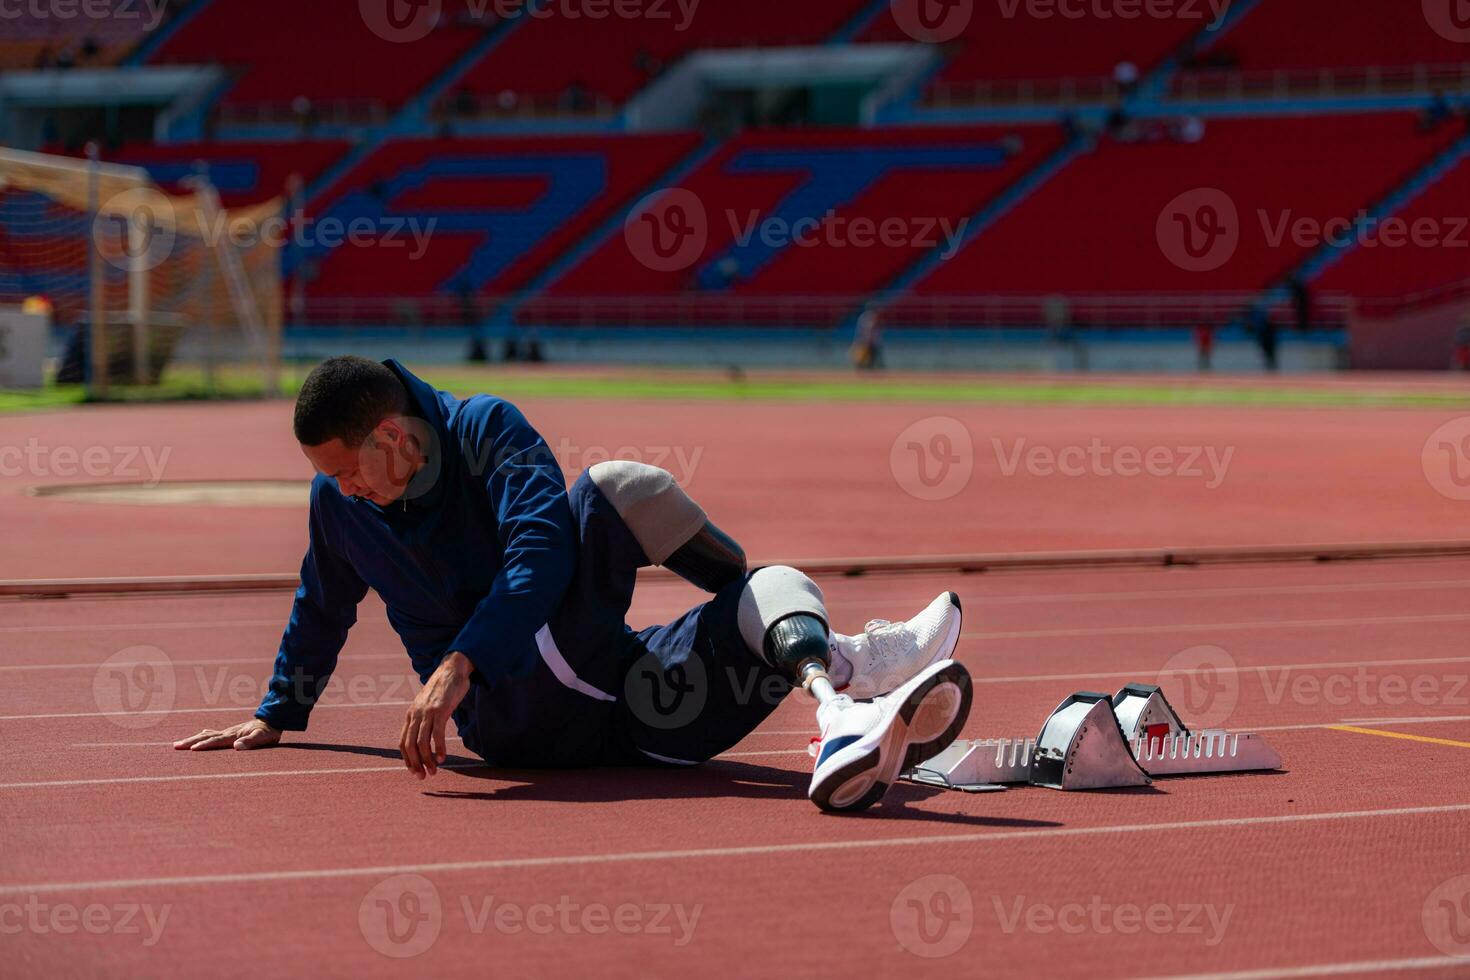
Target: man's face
378,470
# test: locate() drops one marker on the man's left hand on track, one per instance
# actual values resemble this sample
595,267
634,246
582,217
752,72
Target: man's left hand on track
422,740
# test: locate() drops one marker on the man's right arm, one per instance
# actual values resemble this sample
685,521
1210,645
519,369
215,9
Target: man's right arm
324,610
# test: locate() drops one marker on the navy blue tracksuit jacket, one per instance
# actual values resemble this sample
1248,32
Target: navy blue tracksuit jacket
475,562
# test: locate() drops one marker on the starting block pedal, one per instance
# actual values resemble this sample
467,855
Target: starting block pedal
1093,742
1163,745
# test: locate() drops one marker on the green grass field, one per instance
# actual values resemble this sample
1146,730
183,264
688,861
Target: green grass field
182,385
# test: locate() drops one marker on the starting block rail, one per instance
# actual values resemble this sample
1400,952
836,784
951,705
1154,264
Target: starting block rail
1092,741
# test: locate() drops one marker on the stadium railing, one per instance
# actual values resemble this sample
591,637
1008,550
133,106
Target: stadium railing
816,312
1283,83
1213,83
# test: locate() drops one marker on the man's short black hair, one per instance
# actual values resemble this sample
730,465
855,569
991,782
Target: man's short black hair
345,398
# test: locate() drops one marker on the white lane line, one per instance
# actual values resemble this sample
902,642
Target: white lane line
1224,591
1331,969
278,623
1145,672
263,662
1422,720
1213,627
194,777
188,711
159,745
753,850
1300,727
1010,679
1404,721
348,661
640,609
261,774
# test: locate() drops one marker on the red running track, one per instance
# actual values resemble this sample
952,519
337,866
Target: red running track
291,861
323,856
790,480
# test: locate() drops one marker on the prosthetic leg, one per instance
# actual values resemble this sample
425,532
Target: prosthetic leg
670,527
863,745
783,620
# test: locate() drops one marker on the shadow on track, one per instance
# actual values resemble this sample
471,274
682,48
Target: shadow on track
719,779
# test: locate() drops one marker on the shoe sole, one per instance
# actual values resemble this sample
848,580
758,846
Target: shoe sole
927,723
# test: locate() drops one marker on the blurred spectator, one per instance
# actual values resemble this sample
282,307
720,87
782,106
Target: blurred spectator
1056,313
304,111
531,351
1191,129
576,97
1462,346
646,63
1120,125
1204,344
1436,113
465,102
1266,336
1301,303
1125,76
867,343
724,274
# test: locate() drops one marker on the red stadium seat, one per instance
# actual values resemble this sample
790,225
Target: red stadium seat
1424,247
324,50
503,209
928,179
1095,226
1004,52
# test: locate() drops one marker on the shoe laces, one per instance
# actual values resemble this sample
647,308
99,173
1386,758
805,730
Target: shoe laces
886,640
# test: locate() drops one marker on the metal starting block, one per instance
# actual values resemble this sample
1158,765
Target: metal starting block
1093,742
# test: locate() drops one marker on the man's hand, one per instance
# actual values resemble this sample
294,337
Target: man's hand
253,734
422,741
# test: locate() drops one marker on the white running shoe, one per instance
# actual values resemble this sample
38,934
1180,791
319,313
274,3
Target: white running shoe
865,744
885,654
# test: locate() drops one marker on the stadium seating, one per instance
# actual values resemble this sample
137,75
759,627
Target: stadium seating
929,179
514,212
1316,46
1005,53
1331,34
502,209
324,50
1427,247
1096,228
544,58
243,173
83,39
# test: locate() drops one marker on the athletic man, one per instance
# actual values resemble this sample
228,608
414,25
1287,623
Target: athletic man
510,592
